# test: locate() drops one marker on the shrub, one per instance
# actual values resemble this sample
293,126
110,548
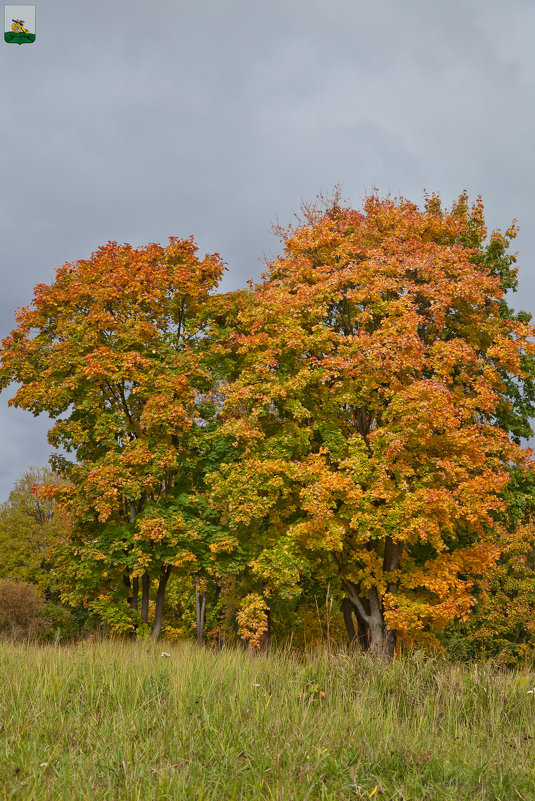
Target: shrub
20,608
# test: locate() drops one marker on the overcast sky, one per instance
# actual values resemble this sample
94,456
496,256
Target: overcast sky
135,121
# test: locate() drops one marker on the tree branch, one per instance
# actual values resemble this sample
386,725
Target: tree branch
351,594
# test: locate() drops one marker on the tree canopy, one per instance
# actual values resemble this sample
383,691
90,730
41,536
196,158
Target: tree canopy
371,410
108,350
350,424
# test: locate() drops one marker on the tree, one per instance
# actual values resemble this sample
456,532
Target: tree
109,350
501,623
30,525
377,361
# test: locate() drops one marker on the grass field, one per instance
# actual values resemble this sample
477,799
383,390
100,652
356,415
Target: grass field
120,721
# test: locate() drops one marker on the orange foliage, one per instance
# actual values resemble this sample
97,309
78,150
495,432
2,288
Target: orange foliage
371,360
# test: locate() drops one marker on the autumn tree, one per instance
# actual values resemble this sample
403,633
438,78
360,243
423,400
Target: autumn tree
501,623
109,350
378,364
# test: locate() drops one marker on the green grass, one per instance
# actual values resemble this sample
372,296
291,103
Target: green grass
118,721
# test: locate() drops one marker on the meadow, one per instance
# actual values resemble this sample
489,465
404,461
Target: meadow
117,720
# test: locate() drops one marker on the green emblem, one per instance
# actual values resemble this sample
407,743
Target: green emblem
19,24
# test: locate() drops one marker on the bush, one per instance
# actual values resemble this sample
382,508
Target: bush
58,622
20,608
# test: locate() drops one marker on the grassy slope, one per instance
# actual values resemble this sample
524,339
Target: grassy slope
118,721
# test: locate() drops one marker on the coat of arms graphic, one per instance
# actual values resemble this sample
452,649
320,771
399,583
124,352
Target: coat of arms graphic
19,24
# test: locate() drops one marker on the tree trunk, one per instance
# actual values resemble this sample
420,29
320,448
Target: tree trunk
200,608
371,624
391,560
363,633
347,611
145,591
133,587
356,604
126,582
135,592
390,642
160,597
376,623
267,634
